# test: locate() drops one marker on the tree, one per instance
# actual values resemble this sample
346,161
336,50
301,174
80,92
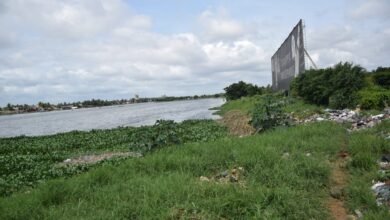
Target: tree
336,86
241,89
381,77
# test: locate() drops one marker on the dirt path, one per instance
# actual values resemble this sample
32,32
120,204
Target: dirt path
338,182
337,185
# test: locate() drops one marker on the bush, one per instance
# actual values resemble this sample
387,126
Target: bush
167,132
374,98
241,89
268,114
336,86
382,77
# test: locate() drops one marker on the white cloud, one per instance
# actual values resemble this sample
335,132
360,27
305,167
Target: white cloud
362,38
217,26
72,50
366,9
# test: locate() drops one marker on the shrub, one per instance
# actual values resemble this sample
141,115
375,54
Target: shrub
374,98
167,132
336,86
241,89
382,77
268,114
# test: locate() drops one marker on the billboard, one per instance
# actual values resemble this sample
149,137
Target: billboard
289,60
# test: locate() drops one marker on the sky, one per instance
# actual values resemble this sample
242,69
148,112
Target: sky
73,50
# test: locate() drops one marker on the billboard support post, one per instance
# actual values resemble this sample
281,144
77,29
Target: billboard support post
311,60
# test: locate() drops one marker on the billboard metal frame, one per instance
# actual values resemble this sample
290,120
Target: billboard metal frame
289,60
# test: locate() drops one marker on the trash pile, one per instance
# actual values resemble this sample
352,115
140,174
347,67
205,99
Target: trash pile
354,117
228,176
382,187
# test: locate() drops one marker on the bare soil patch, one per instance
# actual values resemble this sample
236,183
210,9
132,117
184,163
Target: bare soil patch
238,123
92,159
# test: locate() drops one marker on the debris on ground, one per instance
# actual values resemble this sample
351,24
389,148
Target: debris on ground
234,175
357,120
382,188
382,193
385,158
384,165
92,159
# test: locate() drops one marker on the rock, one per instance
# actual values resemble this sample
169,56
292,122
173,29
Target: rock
371,124
204,179
358,213
68,160
234,176
286,155
384,165
308,154
319,119
336,192
223,174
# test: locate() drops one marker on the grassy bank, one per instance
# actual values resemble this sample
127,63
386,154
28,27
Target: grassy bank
166,184
246,105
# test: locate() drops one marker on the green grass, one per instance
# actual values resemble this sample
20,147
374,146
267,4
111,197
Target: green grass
366,148
292,105
165,184
244,104
25,161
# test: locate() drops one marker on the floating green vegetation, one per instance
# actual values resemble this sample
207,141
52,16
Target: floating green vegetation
24,161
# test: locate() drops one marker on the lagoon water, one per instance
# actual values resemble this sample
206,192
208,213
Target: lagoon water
44,123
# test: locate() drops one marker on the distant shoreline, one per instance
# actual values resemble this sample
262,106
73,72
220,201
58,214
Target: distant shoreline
74,106
106,117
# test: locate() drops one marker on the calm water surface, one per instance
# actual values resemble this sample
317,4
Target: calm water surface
43,123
